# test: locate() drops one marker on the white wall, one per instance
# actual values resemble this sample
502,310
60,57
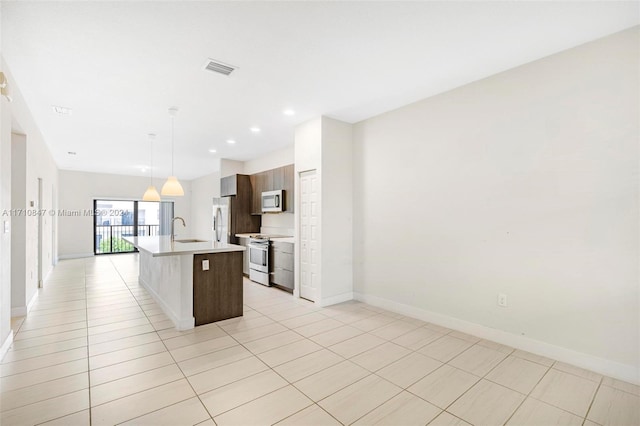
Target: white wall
524,183
19,223
6,334
39,165
28,165
78,189
203,190
230,167
308,147
272,160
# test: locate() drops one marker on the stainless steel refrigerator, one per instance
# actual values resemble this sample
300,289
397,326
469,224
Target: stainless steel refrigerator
222,220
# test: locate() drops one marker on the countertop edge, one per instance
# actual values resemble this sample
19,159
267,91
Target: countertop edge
203,251
290,240
162,251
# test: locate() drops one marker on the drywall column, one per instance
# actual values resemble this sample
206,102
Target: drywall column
325,145
337,212
19,224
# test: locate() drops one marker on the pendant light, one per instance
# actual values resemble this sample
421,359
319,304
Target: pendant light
151,194
172,187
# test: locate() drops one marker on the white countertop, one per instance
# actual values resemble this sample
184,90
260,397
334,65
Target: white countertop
291,240
162,246
246,235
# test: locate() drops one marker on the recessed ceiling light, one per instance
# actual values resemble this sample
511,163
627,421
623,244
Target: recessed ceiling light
71,152
144,170
61,110
213,151
230,141
255,129
288,112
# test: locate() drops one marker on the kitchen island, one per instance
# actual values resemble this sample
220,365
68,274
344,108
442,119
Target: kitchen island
195,282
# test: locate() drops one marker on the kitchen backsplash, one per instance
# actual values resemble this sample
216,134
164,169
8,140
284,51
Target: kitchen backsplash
280,224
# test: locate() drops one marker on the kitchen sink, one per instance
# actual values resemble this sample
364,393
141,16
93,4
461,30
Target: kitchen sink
192,240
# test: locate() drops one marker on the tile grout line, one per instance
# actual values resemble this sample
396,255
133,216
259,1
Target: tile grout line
528,395
184,376
561,408
84,265
452,415
279,375
593,399
506,355
47,381
345,313
269,368
348,359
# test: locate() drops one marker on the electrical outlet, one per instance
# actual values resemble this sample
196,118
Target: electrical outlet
502,300
205,265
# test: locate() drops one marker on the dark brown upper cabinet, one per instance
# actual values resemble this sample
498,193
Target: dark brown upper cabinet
289,186
256,188
271,180
278,178
239,188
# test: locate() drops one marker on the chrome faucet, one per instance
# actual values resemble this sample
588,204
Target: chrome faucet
173,235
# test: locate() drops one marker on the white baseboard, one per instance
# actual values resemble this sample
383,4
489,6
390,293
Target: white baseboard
46,278
328,301
626,372
185,324
32,301
22,311
74,256
6,344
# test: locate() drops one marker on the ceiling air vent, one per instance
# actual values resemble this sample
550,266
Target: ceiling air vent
219,67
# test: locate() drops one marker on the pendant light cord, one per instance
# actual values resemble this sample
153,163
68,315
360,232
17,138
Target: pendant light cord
172,145
151,172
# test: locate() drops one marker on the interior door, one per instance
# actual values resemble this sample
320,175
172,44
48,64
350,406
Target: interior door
309,235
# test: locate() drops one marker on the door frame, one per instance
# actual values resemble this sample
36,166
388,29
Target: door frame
40,231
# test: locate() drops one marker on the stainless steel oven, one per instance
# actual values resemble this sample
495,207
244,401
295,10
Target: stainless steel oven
259,260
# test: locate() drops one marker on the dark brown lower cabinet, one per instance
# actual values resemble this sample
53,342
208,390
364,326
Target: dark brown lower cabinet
217,293
282,262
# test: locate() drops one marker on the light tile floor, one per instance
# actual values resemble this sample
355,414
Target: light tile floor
96,349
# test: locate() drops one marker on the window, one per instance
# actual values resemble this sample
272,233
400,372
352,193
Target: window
116,219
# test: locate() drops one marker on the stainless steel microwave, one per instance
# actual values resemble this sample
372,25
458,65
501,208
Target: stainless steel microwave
273,201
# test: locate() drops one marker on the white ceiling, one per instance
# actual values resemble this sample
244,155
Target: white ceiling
121,65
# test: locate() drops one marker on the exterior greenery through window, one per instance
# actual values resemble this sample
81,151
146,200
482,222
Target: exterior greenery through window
116,219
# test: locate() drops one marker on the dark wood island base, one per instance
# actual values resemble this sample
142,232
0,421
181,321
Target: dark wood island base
217,292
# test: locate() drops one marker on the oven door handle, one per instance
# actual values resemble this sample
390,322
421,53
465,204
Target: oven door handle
258,247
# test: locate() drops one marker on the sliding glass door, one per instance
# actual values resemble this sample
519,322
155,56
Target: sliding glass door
116,219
